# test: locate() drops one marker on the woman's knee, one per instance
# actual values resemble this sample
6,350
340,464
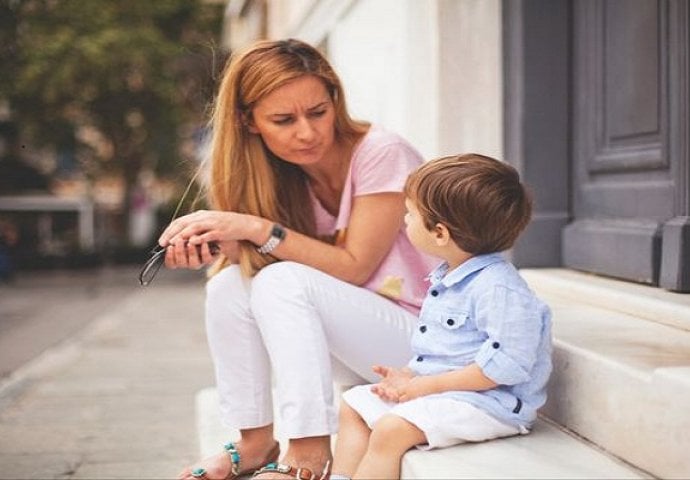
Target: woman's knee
280,280
226,295
222,282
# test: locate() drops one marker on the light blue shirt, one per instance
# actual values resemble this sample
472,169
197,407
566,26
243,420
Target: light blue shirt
483,312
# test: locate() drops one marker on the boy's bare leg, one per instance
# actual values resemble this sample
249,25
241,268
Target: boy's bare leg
391,437
352,441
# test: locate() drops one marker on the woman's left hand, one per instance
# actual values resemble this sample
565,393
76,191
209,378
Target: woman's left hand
206,226
188,238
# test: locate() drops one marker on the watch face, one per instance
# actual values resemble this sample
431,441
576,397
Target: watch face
278,231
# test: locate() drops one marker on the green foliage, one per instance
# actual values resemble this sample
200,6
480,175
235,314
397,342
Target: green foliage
136,72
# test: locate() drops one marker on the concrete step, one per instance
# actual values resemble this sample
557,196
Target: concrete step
548,452
642,301
621,367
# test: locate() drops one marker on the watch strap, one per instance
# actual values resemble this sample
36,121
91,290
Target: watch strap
277,235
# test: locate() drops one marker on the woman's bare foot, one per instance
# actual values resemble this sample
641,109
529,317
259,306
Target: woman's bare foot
219,466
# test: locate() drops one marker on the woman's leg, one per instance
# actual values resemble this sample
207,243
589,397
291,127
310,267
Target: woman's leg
242,374
305,316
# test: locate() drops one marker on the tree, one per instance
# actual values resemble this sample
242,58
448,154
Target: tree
130,73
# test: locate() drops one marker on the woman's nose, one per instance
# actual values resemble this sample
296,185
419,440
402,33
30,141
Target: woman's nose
305,130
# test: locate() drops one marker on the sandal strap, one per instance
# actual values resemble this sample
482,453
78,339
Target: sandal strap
231,450
199,473
298,473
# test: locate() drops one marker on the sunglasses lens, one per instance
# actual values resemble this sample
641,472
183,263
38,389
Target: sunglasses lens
151,267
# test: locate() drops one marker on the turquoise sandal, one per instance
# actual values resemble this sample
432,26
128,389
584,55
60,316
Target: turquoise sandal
235,458
297,473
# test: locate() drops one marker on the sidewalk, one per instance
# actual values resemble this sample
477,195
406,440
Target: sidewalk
115,399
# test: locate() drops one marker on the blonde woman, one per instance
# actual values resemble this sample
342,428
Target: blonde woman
314,269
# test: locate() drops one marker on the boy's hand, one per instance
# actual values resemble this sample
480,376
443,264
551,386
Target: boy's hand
397,384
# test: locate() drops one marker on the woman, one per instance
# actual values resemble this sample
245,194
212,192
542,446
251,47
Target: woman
294,178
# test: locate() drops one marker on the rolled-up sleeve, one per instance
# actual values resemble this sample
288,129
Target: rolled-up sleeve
513,323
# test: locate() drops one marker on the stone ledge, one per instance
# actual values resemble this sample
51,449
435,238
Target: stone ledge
642,301
548,452
620,379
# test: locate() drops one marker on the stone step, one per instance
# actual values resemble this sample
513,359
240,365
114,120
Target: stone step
548,452
621,367
643,301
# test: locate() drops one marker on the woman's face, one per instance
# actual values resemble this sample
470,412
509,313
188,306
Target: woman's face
296,121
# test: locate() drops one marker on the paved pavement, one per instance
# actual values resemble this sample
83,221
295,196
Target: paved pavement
99,375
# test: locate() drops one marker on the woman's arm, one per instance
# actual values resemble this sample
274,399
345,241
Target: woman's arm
375,221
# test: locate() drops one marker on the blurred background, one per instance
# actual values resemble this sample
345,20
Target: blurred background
103,107
103,112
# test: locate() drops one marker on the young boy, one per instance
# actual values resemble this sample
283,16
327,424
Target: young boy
482,346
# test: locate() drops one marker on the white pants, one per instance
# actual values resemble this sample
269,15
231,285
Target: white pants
292,320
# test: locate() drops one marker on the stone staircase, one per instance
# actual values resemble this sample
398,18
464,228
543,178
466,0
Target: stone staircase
619,397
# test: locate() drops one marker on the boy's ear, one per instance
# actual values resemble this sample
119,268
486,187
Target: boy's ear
441,235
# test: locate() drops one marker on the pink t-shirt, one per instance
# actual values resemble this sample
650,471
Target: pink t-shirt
381,163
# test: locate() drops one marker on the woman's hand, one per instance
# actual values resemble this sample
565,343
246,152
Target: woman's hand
397,384
189,239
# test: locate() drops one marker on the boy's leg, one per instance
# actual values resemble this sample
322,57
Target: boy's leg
352,441
391,437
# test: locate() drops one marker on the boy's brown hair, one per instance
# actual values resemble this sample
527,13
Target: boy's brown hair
479,199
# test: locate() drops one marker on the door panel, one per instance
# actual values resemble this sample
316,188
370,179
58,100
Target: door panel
625,186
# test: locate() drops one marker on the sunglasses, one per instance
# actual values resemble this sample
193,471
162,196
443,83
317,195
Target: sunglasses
157,259
157,255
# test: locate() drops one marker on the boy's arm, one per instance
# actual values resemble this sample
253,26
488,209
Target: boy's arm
401,384
469,378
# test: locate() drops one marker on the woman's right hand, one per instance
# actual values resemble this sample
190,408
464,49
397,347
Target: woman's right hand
186,255
187,238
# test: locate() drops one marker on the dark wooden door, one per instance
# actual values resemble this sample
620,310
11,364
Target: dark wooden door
629,147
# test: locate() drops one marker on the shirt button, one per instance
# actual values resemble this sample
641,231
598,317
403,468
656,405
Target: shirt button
420,358
422,328
495,344
434,293
450,322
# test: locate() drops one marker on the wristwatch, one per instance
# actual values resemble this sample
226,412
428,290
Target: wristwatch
278,233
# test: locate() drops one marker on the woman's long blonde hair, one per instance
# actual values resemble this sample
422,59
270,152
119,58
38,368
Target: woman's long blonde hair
245,176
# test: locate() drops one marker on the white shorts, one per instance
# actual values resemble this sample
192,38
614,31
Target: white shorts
445,421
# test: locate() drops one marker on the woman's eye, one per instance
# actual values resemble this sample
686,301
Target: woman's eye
319,113
283,121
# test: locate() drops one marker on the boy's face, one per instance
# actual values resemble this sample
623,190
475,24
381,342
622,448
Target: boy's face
421,238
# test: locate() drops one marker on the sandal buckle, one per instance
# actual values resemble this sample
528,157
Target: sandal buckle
306,471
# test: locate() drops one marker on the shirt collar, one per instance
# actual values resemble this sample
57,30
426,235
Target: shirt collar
474,264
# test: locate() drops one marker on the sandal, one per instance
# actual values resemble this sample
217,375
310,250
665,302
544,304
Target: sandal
235,458
297,473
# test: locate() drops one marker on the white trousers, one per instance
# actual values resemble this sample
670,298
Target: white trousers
301,325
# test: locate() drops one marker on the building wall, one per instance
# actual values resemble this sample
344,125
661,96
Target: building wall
471,78
429,70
